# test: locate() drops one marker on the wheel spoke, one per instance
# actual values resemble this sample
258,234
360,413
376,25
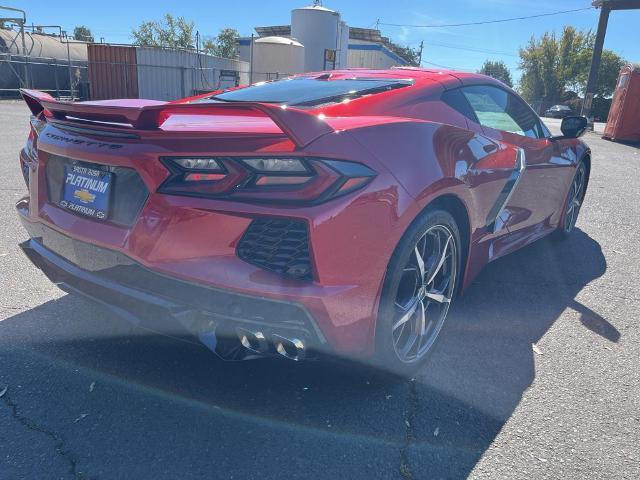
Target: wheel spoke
442,257
406,316
422,319
422,326
420,262
437,297
408,346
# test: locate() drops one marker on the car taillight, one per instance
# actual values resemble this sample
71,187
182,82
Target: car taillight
270,179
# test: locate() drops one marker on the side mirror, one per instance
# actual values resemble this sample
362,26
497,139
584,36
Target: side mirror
573,127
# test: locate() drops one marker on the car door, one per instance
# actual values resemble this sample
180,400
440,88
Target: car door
535,201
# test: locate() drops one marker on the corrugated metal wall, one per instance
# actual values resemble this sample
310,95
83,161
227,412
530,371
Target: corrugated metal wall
113,72
159,73
165,74
364,54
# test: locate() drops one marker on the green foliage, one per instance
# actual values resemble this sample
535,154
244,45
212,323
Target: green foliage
169,32
411,55
82,33
610,65
556,69
223,44
498,70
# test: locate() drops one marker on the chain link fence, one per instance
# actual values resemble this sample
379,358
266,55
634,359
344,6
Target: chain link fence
82,80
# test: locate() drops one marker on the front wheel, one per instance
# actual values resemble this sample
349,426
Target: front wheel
573,203
420,285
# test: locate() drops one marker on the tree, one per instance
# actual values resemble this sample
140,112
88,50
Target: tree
82,33
169,32
498,70
223,44
556,69
411,55
610,65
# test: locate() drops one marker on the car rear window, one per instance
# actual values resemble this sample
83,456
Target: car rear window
305,91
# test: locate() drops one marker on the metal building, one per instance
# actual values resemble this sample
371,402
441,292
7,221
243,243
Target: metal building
329,43
117,71
368,49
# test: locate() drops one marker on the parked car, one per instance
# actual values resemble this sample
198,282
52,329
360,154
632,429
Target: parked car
559,111
337,212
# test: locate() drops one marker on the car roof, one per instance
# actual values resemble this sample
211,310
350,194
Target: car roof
420,76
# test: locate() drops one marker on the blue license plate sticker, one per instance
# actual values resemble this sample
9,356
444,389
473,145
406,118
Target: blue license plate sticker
87,191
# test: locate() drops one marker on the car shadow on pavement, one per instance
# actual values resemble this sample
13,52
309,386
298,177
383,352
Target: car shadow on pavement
273,417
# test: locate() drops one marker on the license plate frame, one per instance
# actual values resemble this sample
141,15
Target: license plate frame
87,190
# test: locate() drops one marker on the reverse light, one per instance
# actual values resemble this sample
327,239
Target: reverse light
307,180
198,163
267,165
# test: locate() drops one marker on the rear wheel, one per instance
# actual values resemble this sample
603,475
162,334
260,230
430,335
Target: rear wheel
573,202
420,285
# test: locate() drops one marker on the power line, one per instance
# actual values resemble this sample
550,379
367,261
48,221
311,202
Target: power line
471,49
484,22
437,65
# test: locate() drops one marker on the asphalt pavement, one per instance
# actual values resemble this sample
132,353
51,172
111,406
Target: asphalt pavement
537,376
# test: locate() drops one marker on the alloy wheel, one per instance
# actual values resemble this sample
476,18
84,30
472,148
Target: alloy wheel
574,202
424,294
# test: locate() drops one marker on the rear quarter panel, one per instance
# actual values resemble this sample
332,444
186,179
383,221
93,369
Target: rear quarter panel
430,160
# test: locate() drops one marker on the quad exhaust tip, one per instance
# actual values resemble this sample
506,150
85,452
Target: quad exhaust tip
291,348
254,341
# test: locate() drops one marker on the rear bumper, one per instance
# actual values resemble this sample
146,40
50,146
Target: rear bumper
164,304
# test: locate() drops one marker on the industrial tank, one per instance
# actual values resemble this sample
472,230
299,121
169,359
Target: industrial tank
46,66
42,46
317,28
275,57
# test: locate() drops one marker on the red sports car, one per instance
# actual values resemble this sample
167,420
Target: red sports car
334,212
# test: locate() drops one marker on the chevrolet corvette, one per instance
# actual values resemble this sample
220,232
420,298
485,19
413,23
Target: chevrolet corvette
337,212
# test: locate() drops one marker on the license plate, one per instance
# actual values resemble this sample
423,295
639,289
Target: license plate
87,191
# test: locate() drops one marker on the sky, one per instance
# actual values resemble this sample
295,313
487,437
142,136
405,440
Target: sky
464,48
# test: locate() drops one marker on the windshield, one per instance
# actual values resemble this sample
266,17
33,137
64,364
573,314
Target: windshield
307,91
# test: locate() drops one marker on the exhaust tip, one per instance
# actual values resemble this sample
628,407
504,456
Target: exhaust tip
291,348
254,341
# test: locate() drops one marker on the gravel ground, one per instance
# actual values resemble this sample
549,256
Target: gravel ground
537,376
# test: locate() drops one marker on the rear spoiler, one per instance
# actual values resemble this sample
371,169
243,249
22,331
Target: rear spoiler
300,126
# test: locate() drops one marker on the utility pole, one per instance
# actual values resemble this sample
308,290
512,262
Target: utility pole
62,32
199,74
420,56
605,6
251,61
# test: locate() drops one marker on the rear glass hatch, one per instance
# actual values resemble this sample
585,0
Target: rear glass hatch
301,92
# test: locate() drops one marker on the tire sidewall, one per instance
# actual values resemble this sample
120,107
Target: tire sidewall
385,355
562,232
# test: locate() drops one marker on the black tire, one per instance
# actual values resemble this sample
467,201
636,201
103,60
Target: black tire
572,203
432,227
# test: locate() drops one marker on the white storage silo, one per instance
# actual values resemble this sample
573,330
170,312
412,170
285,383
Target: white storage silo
275,57
317,28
